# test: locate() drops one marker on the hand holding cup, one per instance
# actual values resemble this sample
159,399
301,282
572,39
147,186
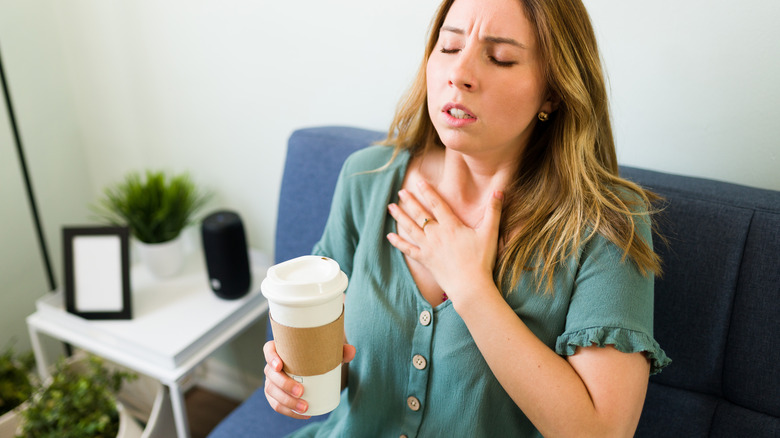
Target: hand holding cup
282,392
306,308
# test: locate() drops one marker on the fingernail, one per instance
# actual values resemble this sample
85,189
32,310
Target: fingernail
301,407
499,195
297,390
275,363
402,193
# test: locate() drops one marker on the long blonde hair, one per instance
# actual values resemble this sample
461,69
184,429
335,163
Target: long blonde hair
567,188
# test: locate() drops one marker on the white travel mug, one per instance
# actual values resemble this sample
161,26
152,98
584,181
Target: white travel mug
306,302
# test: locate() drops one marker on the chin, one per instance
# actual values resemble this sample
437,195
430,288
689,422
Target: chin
457,141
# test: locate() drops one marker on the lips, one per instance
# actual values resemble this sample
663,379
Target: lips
458,111
458,115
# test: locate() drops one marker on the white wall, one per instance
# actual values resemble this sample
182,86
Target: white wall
216,87
695,87
21,268
42,98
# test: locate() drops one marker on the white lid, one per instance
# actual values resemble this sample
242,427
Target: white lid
304,281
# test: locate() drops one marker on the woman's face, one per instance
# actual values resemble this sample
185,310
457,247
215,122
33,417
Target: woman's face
485,82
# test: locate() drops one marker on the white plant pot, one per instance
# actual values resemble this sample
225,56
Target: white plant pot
9,422
147,400
128,427
162,259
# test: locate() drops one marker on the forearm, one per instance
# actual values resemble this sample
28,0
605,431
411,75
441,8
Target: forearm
543,384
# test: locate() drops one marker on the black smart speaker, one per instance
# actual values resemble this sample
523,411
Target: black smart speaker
227,257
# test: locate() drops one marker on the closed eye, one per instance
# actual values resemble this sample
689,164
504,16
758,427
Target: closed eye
502,63
492,58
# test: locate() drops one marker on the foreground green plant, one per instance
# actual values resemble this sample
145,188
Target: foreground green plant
15,384
79,401
155,208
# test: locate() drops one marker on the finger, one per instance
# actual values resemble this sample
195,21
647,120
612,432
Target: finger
349,353
406,223
271,357
492,218
439,208
412,206
281,380
283,393
283,403
404,246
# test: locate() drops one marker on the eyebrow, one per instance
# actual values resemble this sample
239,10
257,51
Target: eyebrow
490,39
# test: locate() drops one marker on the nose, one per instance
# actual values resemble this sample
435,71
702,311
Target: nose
462,74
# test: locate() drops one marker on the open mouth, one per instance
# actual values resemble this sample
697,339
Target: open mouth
459,114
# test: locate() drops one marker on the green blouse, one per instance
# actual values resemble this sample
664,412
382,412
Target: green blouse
417,371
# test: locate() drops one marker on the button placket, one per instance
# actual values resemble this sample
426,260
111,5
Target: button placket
419,369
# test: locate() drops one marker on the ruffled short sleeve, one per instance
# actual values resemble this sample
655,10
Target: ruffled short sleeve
627,341
611,304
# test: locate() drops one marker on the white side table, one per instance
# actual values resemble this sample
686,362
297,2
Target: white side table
177,323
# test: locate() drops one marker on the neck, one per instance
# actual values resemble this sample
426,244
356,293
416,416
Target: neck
467,182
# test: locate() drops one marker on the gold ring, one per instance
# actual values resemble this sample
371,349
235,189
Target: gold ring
425,222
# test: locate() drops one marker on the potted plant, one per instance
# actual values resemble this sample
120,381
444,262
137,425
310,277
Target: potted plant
79,400
156,208
16,386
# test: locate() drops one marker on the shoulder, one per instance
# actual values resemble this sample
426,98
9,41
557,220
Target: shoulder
372,158
372,169
637,210
369,173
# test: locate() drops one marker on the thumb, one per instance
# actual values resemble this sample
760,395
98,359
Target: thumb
349,353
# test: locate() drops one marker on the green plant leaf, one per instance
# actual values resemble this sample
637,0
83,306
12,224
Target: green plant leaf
155,207
15,384
78,402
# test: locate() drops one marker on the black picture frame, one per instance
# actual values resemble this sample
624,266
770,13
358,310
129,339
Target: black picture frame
97,272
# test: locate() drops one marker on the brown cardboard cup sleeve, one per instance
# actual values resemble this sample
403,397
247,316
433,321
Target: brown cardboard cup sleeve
310,351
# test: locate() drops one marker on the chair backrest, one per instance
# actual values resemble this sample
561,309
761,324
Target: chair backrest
314,159
717,309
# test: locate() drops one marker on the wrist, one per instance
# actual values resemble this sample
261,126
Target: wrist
474,296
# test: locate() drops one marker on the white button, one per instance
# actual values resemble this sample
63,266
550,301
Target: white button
425,317
413,403
419,362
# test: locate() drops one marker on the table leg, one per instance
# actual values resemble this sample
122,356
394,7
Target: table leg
179,410
40,356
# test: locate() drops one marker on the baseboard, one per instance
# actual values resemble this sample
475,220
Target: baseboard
226,380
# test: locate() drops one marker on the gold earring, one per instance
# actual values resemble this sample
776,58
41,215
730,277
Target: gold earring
543,116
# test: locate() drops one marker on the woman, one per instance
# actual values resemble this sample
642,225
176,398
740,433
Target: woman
510,291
